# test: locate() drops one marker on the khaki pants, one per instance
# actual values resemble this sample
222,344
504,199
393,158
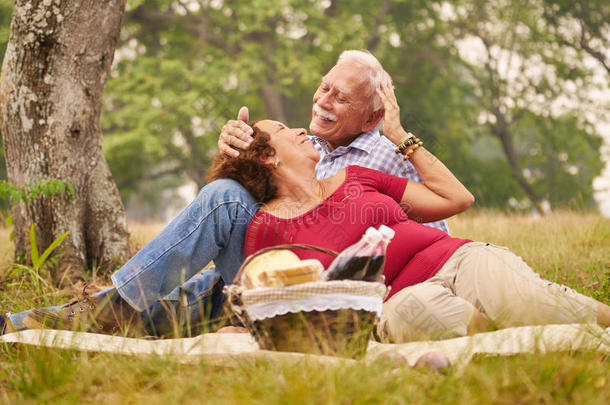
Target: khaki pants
489,278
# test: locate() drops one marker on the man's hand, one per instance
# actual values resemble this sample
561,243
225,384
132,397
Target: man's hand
392,128
235,134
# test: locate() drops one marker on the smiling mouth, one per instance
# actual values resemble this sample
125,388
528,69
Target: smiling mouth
323,118
323,115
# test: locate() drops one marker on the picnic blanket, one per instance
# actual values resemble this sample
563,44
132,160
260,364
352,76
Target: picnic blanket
223,349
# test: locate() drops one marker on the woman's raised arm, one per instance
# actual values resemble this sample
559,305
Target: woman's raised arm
441,195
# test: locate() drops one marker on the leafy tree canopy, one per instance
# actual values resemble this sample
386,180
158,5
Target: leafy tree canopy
499,90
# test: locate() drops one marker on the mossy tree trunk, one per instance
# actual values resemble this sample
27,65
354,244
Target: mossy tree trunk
54,72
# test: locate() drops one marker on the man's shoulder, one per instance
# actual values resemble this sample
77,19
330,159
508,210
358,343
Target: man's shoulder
384,157
384,145
374,144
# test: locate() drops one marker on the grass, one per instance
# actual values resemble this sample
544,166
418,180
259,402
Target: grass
571,248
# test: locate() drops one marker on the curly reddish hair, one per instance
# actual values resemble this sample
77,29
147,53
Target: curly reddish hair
248,168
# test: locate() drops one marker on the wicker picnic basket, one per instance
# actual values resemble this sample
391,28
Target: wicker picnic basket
325,317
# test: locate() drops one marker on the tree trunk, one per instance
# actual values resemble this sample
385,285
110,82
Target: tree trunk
273,102
500,129
55,68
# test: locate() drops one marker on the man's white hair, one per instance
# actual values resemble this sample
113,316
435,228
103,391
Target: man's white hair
376,73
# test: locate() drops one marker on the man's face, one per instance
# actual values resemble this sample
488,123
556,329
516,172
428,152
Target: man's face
342,105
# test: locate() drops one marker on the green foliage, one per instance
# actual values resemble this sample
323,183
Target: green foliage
36,272
38,260
192,73
562,157
6,11
183,68
47,187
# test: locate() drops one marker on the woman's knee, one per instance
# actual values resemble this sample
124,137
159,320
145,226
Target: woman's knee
424,311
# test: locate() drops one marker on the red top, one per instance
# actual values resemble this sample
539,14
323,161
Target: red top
365,198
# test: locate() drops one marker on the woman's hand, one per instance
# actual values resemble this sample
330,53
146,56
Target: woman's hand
392,128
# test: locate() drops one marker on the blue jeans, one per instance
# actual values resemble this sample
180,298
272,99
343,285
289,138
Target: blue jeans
166,275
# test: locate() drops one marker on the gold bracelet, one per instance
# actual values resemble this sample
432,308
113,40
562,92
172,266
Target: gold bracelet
412,150
407,142
410,140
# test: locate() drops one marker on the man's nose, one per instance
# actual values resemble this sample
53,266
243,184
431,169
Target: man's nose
324,101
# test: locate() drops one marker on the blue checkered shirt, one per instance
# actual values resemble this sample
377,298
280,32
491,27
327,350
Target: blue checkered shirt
372,150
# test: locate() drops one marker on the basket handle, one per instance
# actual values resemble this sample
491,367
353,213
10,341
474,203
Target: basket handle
280,247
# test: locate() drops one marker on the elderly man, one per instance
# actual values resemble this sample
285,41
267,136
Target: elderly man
346,113
163,282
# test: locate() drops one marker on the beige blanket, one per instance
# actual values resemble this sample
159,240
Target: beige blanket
225,348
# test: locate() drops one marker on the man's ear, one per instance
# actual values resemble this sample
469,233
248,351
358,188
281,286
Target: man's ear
373,119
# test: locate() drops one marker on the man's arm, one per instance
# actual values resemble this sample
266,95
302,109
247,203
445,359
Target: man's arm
235,134
441,195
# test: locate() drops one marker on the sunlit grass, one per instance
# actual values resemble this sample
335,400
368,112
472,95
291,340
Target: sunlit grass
567,247
571,248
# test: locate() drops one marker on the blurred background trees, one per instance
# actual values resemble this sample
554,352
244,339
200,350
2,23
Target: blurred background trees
505,92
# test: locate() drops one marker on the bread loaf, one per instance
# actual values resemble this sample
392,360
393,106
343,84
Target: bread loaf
280,267
273,259
302,272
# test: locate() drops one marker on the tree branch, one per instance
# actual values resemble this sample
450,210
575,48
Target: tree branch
373,41
197,25
584,44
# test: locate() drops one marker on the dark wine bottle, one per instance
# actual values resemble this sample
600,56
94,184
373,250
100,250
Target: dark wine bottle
375,270
354,262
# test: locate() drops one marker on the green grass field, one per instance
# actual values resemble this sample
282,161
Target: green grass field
570,248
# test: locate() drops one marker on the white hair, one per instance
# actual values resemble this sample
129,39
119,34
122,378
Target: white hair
375,71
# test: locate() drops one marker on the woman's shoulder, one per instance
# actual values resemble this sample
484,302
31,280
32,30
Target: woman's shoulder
332,183
351,172
363,173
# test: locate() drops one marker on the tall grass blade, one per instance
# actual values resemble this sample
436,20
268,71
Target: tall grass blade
52,247
34,248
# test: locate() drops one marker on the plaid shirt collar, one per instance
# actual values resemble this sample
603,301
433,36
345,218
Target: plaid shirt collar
365,142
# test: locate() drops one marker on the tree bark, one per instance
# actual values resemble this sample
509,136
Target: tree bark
55,68
271,95
500,130
274,102
374,38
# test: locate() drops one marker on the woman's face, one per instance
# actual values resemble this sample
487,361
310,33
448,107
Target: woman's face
290,144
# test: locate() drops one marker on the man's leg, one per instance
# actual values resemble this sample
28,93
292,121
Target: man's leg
212,227
189,309
189,306
16,319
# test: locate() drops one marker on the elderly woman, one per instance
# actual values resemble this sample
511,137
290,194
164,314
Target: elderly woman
440,285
